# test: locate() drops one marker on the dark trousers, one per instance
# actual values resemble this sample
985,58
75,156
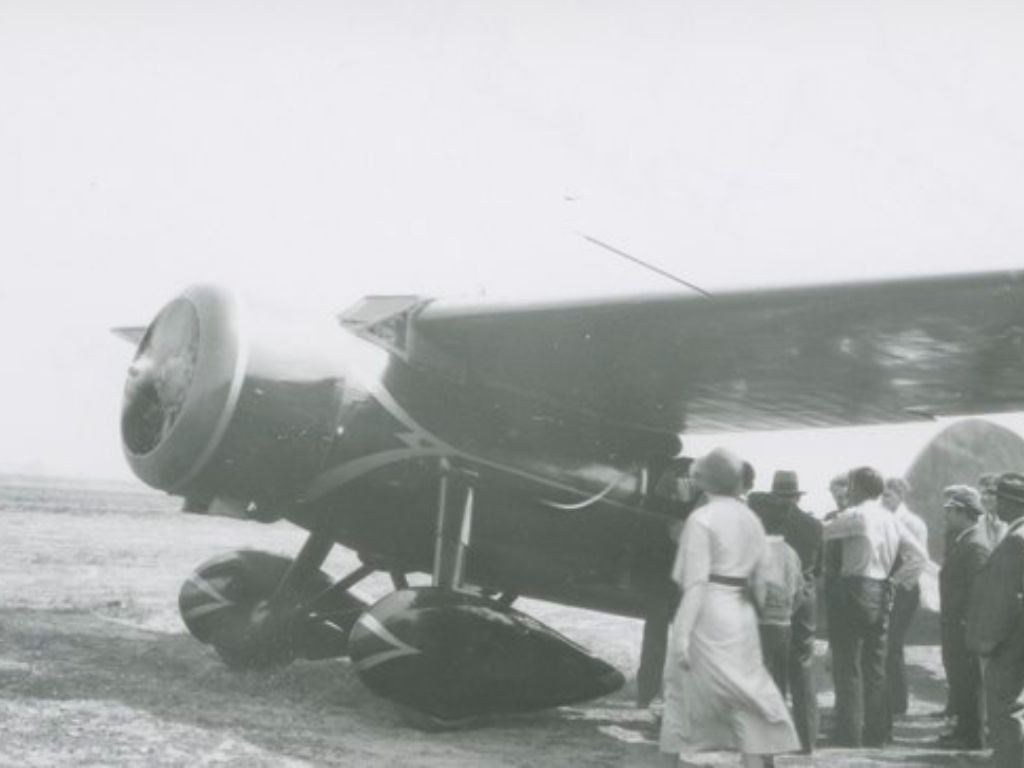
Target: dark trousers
801,667
835,609
963,675
1004,697
775,651
654,649
860,642
904,605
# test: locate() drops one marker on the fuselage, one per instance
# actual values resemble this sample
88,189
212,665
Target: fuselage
549,520
268,417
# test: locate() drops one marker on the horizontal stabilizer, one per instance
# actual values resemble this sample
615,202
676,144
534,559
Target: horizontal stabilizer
132,334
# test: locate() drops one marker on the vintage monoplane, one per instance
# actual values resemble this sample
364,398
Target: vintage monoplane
509,450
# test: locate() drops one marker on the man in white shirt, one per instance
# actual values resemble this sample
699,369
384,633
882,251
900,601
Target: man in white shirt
907,597
872,539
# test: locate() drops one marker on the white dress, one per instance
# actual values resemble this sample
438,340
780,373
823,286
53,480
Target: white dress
727,698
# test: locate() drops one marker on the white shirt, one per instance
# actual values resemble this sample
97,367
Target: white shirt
873,538
919,530
723,537
780,578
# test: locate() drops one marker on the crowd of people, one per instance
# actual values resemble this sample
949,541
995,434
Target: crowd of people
752,566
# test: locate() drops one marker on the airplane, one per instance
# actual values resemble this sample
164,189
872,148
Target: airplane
509,450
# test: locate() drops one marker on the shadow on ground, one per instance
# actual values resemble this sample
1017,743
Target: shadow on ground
157,699
79,688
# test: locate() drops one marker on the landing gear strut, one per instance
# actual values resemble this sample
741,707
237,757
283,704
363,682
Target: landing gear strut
448,656
454,525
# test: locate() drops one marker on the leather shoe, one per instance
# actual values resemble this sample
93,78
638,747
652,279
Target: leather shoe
956,741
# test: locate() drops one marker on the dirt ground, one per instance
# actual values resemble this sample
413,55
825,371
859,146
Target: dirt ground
96,668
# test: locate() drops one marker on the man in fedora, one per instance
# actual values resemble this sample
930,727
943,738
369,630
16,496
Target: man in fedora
995,627
802,532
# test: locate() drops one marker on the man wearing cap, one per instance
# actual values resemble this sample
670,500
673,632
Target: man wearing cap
802,532
906,597
872,540
995,627
995,527
968,552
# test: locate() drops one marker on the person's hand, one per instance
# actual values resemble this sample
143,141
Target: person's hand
684,653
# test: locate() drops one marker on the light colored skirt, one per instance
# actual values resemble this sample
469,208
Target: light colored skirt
727,698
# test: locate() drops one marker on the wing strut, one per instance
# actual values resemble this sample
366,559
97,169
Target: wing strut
644,264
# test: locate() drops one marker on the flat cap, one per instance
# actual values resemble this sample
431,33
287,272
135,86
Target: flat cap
963,496
1011,487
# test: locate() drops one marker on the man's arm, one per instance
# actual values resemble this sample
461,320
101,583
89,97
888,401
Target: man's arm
913,558
919,528
845,525
818,566
794,576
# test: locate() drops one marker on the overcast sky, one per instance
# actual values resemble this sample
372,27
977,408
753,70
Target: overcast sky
320,151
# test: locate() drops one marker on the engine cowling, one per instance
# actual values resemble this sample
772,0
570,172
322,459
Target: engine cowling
225,400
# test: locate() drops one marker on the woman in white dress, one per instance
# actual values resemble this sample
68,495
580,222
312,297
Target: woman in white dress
718,693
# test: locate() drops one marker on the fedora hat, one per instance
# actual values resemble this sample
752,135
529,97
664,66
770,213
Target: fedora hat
1011,487
785,484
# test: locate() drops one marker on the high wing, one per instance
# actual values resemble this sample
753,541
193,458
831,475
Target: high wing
831,355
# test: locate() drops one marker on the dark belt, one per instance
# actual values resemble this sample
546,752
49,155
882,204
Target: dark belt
729,581
866,578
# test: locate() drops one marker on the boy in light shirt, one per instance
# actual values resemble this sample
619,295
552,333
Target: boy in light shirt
777,583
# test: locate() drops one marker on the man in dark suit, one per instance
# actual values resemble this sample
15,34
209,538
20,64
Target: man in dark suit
968,552
802,532
995,627
675,497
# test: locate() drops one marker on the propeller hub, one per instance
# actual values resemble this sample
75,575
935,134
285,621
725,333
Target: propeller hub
160,377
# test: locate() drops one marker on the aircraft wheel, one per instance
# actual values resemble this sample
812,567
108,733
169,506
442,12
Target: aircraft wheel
221,603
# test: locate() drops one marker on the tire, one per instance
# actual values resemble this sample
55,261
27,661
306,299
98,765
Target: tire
217,603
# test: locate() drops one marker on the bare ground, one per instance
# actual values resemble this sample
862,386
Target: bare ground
96,669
